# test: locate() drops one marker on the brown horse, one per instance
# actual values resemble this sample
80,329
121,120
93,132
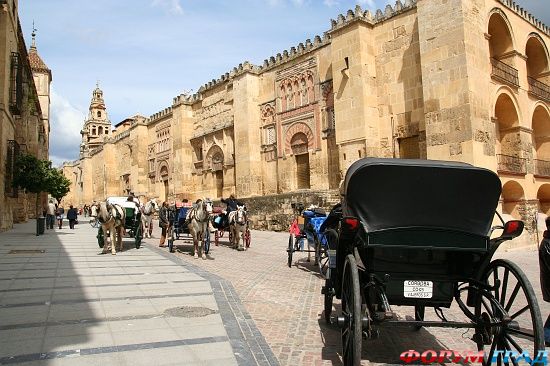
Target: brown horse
112,218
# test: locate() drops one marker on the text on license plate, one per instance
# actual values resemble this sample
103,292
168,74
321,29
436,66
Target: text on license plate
418,289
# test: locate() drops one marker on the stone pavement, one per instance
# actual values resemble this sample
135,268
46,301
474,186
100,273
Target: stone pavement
61,303
287,306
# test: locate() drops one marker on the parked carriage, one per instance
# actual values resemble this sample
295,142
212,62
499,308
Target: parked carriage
418,233
305,228
132,221
178,228
221,224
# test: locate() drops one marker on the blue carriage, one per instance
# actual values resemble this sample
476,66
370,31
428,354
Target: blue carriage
178,227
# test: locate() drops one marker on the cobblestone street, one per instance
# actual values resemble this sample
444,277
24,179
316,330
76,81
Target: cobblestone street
286,304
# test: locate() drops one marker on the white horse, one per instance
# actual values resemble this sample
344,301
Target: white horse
198,218
112,218
237,224
148,212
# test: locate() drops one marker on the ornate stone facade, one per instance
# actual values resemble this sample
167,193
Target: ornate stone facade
410,81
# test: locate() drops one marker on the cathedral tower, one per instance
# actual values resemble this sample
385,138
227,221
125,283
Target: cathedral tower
97,126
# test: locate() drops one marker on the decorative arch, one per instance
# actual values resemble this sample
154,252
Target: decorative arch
215,157
512,195
501,39
543,195
163,170
297,128
540,123
507,128
506,102
537,55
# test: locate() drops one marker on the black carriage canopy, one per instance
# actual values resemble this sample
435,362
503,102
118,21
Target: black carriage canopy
402,193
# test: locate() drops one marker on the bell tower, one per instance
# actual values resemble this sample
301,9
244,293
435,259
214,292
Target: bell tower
97,126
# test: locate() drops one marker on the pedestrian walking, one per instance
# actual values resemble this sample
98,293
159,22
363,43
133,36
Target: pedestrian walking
72,215
163,223
544,264
60,212
50,215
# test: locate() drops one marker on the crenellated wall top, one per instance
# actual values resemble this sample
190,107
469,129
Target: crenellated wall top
360,15
526,15
166,112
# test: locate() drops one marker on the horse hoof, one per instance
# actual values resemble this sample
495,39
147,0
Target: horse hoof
204,256
196,256
113,253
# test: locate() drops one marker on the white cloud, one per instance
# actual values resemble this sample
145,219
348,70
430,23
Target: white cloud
66,121
171,6
331,3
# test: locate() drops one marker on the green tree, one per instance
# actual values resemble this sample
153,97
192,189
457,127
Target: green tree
57,184
36,176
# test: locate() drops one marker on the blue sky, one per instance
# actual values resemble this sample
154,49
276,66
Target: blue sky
145,52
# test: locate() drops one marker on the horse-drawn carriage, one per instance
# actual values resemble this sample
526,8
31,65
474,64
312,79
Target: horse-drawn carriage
179,227
235,222
131,217
418,233
305,227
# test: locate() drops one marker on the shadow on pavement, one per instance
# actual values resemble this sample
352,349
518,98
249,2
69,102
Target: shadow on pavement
47,305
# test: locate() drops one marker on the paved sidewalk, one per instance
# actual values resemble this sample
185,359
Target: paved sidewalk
61,303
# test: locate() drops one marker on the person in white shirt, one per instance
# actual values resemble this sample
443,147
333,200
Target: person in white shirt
50,215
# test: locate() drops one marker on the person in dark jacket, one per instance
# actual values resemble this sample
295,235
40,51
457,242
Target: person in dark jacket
72,215
544,264
232,204
164,222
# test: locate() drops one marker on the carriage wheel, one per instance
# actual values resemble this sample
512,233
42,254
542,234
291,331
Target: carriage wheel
321,257
206,241
217,237
352,330
138,236
247,238
419,311
328,292
169,236
290,249
511,302
100,237
230,237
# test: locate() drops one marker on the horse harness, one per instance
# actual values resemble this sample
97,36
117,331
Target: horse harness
110,207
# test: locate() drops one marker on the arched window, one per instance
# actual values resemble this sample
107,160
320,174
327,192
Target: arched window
507,143
98,114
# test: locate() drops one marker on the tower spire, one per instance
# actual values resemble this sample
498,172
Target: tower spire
33,34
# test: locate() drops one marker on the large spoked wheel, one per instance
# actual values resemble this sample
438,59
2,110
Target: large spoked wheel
206,241
247,238
508,315
351,311
170,237
138,236
290,249
100,237
321,255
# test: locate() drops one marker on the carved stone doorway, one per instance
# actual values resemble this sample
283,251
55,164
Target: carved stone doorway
164,179
299,145
219,183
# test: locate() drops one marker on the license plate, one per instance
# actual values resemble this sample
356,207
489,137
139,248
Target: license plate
418,289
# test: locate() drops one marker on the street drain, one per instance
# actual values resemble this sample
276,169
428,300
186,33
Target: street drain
189,312
26,251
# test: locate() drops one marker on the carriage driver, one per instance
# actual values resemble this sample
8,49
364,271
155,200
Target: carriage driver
135,201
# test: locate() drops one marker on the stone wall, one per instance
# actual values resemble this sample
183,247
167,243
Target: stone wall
275,212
